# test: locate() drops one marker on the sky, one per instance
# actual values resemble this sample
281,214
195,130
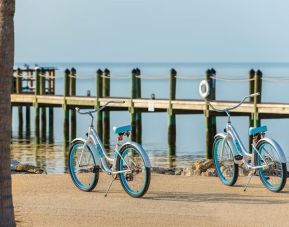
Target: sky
152,31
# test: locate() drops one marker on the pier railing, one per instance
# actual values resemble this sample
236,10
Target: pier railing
36,88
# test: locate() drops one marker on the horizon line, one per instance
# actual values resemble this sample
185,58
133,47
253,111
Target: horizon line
147,62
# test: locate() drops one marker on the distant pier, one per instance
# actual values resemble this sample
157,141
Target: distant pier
36,88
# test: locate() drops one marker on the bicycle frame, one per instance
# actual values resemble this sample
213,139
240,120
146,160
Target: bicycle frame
241,156
236,145
99,153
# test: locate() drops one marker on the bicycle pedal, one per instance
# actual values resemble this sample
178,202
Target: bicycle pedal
238,157
96,169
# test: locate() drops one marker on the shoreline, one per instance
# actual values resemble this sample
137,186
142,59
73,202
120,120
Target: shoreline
201,167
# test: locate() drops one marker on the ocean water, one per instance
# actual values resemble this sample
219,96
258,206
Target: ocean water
190,139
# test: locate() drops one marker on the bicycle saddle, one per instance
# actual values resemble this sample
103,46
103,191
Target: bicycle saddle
122,129
255,130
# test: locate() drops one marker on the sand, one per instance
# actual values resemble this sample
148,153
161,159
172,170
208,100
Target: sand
53,200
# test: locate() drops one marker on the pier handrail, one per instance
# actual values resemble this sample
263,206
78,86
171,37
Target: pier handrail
229,79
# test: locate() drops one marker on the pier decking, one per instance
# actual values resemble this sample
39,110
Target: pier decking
180,106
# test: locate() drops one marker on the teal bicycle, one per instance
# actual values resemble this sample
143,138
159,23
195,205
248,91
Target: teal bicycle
130,163
267,157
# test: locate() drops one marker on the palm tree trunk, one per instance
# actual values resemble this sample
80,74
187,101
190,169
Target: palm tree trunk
7,9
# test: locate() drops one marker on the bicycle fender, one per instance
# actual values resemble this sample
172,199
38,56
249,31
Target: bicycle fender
91,147
276,146
78,139
220,135
141,150
228,141
84,141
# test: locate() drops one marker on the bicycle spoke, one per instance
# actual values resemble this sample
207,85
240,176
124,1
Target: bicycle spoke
272,174
82,170
224,162
135,179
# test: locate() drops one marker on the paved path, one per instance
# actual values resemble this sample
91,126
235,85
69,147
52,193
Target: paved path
53,200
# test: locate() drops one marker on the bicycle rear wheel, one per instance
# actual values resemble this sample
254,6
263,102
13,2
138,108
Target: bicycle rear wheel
135,182
224,162
275,175
82,168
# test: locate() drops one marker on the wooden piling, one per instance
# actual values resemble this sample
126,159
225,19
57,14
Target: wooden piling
257,99
37,82
251,91
20,108
210,120
49,82
42,82
19,81
133,118
106,114
99,115
171,161
72,92
138,113
43,124
53,81
72,85
20,122
51,91
65,109
171,115
36,106
51,124
43,109
30,76
27,119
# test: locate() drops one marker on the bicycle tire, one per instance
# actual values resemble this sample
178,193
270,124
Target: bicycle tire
222,171
75,173
121,165
267,175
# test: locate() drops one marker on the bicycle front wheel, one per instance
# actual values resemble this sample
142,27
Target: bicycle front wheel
225,166
274,175
135,178
82,168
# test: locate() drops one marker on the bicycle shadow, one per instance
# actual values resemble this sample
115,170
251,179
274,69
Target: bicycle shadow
214,198
261,186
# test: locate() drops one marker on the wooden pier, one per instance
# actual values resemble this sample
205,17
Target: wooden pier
39,93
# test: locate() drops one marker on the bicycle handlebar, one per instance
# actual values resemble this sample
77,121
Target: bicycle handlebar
99,109
234,107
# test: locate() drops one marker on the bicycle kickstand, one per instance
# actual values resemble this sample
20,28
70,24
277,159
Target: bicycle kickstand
113,179
251,174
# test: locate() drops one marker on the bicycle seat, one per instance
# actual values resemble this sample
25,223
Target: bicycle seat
122,129
255,130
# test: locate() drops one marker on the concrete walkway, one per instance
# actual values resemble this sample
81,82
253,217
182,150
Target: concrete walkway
53,200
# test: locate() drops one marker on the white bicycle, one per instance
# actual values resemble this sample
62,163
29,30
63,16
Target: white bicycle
130,163
267,157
